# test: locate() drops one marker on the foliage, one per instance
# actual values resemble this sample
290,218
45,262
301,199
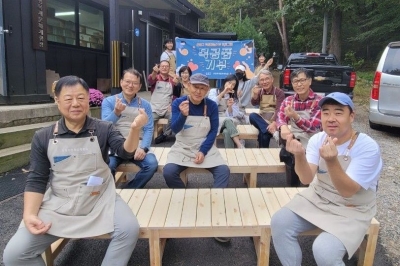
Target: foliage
246,30
350,59
366,26
95,97
363,87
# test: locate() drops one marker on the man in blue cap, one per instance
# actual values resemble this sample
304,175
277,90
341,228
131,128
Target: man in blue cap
342,167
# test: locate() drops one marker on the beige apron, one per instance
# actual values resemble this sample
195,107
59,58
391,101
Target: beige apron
127,116
299,133
346,218
267,106
75,209
189,140
161,97
172,63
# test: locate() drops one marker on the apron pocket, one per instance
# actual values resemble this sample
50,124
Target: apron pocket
87,197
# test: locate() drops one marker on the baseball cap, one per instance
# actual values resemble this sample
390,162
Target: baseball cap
339,97
240,67
199,78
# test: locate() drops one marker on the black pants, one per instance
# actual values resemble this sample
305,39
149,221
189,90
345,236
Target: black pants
292,179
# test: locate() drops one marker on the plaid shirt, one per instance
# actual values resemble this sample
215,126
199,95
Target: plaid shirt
308,125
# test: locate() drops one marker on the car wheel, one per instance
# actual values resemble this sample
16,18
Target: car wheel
374,126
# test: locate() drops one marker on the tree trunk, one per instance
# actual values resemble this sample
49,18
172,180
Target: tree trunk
335,44
282,32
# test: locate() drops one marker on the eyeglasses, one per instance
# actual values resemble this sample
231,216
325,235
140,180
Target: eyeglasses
164,66
298,81
133,83
264,80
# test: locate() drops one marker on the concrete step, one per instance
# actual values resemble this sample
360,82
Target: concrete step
18,135
14,157
18,115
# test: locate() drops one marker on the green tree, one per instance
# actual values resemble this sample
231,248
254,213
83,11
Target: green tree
246,30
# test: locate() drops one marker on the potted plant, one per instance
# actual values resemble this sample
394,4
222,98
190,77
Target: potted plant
95,99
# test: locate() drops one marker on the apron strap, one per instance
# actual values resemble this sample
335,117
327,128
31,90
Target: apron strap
205,105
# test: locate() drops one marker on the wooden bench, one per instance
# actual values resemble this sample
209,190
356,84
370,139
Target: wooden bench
249,162
159,127
246,132
251,110
230,212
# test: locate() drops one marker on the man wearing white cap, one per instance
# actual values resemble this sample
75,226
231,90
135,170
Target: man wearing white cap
341,198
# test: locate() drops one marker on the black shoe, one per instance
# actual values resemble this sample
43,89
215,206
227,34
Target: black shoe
160,139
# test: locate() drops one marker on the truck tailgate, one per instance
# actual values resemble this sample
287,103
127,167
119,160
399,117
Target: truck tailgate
329,78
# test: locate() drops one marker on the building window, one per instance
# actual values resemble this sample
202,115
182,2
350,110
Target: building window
91,27
63,23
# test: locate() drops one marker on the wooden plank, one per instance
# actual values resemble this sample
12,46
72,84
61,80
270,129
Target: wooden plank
189,209
136,200
260,207
158,151
223,154
275,154
203,208
250,157
291,191
126,194
271,200
281,195
259,157
218,217
146,209
232,208
252,110
163,158
246,208
231,157
268,156
241,157
161,209
175,208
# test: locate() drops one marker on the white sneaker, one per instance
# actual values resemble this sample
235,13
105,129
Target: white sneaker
242,142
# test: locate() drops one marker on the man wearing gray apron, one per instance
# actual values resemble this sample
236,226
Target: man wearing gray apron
195,122
341,198
161,96
121,110
269,98
302,113
81,200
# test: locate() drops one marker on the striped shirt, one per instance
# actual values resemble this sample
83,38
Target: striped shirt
311,103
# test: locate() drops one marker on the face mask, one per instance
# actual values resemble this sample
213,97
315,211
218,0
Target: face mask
239,76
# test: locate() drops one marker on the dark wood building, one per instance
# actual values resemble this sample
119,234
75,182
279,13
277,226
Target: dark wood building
93,39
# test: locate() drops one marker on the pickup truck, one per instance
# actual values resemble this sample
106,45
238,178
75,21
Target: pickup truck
326,73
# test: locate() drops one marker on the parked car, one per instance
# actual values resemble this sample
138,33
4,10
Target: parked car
326,73
384,107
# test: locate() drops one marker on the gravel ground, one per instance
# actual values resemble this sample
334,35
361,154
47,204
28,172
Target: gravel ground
388,211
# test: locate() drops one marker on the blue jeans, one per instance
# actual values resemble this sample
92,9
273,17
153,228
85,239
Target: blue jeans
264,136
172,171
148,166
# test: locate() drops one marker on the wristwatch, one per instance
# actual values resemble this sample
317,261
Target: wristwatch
146,150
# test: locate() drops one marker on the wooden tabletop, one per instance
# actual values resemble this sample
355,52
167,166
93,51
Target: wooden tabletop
206,211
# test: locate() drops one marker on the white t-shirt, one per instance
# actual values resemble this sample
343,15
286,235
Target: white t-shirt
165,56
366,162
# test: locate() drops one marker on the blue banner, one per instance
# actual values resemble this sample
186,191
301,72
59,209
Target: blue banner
214,58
